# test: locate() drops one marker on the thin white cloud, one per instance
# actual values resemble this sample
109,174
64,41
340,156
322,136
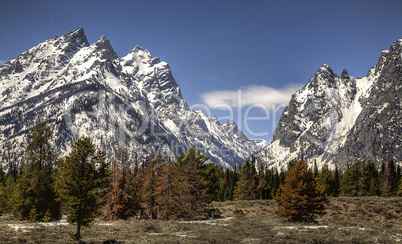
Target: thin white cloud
2,62
252,95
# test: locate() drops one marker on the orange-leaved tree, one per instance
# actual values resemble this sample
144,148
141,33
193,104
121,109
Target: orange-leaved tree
301,197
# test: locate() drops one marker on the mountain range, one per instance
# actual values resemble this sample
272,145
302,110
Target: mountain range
339,119
133,102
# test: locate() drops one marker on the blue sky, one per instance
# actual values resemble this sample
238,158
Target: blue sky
265,49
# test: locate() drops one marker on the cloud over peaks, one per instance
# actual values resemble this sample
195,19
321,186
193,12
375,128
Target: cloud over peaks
251,95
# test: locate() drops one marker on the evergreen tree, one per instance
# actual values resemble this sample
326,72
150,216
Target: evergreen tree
369,180
336,182
3,195
276,182
400,188
148,185
315,169
393,178
388,179
301,197
212,180
230,178
8,189
83,179
325,179
351,180
398,174
246,189
2,175
193,192
265,187
34,194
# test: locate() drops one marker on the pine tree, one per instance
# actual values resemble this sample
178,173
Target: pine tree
193,192
325,179
302,197
265,187
393,181
276,182
246,189
351,180
400,189
369,180
83,179
388,179
3,194
167,192
212,180
8,189
2,175
315,169
336,182
122,200
34,194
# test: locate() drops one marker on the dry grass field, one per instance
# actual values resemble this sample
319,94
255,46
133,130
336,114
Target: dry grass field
348,220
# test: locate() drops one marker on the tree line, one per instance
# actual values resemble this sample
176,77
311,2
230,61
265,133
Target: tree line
84,185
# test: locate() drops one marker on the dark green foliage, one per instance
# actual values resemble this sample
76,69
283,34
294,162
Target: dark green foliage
330,180
369,180
3,192
83,179
246,188
212,180
336,181
34,196
228,184
351,180
326,179
315,169
190,167
388,179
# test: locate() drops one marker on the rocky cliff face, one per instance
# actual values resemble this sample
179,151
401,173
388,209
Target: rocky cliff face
132,102
338,119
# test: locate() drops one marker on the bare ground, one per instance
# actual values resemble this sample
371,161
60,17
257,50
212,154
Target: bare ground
348,220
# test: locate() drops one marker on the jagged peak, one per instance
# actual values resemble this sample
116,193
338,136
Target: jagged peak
230,124
104,44
214,119
77,37
325,69
138,48
345,74
138,52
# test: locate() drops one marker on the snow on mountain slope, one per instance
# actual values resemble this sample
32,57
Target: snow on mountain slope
323,121
133,102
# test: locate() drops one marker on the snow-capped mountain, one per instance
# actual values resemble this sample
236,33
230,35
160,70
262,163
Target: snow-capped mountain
338,119
132,102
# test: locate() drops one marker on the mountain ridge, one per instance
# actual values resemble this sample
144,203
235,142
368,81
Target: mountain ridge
327,121
82,89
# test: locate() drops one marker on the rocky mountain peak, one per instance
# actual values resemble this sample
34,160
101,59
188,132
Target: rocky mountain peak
104,46
134,102
325,70
345,74
337,120
77,38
